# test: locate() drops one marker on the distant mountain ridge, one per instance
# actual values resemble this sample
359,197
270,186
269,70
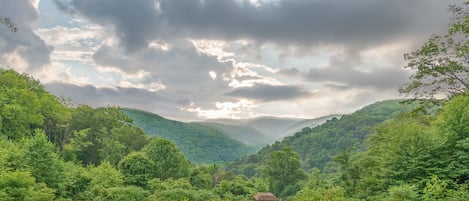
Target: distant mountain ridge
264,130
199,143
220,140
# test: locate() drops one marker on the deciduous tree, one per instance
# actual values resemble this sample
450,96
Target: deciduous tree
441,65
283,172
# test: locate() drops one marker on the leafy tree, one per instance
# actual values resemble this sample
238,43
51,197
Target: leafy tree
19,104
127,193
76,182
200,178
44,163
402,192
74,149
407,148
453,124
109,135
25,105
441,64
349,171
283,171
136,169
435,189
20,185
167,161
333,193
178,189
103,177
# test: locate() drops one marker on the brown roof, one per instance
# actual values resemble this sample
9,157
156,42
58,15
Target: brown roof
265,197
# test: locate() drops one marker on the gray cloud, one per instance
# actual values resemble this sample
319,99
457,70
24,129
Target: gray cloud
25,42
269,93
182,69
125,97
378,78
289,72
353,23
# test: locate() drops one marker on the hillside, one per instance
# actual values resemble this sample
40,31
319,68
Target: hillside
318,145
263,130
243,133
199,143
291,130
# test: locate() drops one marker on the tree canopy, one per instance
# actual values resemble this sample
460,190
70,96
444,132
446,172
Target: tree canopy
441,65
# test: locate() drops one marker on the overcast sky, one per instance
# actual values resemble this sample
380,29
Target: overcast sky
199,59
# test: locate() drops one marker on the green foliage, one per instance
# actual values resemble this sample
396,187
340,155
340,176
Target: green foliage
199,143
283,172
137,169
317,146
76,182
406,147
435,189
19,185
239,188
25,105
103,177
42,161
201,178
167,161
440,65
453,124
334,193
179,189
128,193
103,134
402,193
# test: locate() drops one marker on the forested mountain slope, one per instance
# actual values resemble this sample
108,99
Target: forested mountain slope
199,143
263,130
318,145
243,133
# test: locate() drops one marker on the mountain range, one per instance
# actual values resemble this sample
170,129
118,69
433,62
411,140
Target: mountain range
220,140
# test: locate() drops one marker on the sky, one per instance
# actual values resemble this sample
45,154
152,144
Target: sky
203,59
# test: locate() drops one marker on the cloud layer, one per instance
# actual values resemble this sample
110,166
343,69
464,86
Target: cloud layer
354,23
191,59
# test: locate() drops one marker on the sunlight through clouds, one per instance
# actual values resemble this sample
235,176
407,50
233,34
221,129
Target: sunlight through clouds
232,110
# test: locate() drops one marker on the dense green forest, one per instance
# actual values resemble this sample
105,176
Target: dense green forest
50,150
318,145
199,143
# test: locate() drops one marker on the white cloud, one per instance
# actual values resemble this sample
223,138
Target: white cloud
35,4
73,43
160,45
212,75
59,72
234,110
15,60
